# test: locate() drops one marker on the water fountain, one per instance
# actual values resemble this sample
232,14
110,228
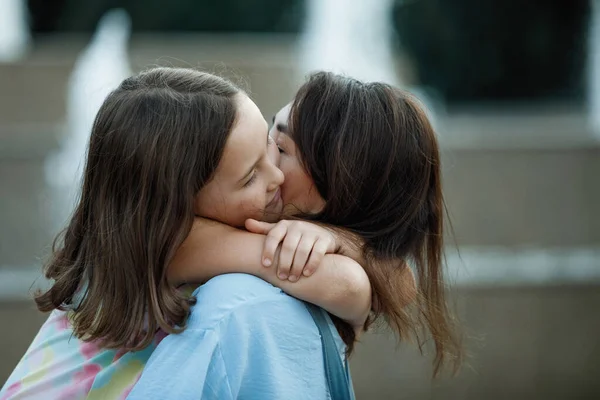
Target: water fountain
351,39
355,39
99,69
594,67
14,30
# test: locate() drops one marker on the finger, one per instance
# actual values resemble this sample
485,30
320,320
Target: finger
286,256
301,257
261,227
316,256
274,237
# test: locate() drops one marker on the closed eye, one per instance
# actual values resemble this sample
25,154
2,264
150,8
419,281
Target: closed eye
251,180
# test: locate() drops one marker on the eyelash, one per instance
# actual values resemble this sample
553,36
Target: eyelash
251,180
280,149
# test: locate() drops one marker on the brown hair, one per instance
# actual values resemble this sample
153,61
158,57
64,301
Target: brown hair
373,156
155,142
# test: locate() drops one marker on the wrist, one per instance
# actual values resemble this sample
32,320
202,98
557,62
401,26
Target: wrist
350,245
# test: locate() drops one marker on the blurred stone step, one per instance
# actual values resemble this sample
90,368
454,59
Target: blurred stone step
32,93
524,197
34,90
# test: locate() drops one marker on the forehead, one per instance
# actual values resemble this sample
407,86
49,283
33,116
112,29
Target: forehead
247,140
283,115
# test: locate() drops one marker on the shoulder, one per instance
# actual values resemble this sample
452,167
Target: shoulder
247,333
223,287
242,297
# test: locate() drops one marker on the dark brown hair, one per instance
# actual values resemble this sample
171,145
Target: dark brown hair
155,142
373,156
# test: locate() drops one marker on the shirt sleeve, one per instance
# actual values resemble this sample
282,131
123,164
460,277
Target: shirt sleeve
185,366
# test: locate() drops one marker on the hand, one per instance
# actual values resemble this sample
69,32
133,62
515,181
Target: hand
303,246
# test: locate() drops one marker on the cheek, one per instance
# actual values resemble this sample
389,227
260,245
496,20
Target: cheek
298,189
232,208
209,206
294,179
254,200
212,203
249,203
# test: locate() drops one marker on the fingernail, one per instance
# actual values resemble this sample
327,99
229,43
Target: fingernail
306,272
282,276
266,262
293,278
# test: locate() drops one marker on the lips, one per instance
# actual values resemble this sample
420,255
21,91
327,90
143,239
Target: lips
275,199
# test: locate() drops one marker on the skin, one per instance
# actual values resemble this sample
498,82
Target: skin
339,285
298,190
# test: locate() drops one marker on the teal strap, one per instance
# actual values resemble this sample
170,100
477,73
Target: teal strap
335,372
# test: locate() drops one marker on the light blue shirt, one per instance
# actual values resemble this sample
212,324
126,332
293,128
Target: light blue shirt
245,339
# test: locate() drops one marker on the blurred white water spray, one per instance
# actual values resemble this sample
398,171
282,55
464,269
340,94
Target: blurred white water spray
14,30
99,69
350,37
354,38
594,67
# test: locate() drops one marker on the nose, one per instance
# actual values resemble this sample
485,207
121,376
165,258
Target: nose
273,153
274,133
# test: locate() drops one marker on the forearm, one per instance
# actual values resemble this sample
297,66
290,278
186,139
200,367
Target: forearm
339,285
212,249
350,244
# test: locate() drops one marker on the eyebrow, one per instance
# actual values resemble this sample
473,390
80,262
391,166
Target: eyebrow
253,167
283,128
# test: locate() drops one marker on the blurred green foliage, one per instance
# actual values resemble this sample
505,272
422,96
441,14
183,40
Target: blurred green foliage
503,49
467,50
172,15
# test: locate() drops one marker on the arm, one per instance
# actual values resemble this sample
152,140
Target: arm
340,285
339,241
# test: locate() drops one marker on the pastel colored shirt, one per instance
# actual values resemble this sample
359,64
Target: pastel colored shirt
57,365
245,339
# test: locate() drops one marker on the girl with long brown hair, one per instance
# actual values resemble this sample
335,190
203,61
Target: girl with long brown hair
167,146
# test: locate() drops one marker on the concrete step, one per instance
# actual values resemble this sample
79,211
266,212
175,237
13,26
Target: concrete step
33,90
524,197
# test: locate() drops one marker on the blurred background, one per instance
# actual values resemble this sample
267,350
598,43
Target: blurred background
513,88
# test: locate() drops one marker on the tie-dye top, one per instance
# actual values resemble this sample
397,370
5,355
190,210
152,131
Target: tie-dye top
57,365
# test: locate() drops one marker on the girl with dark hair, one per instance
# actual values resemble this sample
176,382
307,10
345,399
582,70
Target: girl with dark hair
167,146
369,157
